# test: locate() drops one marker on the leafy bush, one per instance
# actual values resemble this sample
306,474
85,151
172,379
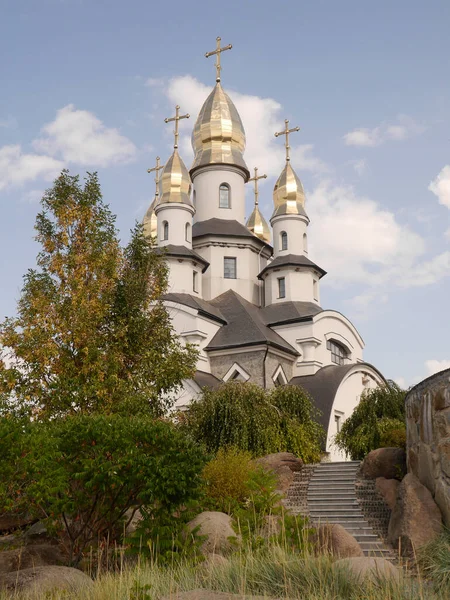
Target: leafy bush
378,421
245,416
81,474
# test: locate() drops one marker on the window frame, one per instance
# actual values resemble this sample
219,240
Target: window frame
187,232
283,241
165,231
281,279
226,186
231,258
195,281
338,352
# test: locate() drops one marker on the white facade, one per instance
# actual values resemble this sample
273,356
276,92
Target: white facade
206,194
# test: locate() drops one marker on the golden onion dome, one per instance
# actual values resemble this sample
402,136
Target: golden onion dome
175,181
258,225
218,136
150,222
288,193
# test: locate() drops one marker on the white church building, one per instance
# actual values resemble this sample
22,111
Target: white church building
246,293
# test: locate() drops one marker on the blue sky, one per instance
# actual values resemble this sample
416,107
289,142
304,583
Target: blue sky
86,84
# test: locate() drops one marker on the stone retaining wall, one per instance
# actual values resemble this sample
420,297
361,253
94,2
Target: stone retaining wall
428,437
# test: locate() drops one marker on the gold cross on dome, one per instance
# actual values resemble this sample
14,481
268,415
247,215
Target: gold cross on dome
255,179
157,169
176,118
217,52
286,132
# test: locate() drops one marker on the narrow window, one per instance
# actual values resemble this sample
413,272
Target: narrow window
315,290
337,420
224,195
281,287
284,243
229,267
188,232
194,198
338,352
165,230
305,244
194,281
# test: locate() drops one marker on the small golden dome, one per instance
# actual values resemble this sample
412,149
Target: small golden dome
150,222
288,193
258,225
175,181
218,136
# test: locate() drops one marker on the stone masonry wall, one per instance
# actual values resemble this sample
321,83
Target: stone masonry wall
428,437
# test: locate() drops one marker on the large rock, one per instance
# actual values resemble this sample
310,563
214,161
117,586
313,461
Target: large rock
38,555
387,488
283,465
371,568
11,522
389,463
217,528
43,581
334,539
416,518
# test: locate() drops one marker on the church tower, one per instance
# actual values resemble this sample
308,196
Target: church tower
291,276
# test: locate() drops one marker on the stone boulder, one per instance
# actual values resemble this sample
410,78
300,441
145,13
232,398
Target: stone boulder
283,465
387,488
218,530
334,539
39,582
11,522
416,518
38,555
389,463
371,568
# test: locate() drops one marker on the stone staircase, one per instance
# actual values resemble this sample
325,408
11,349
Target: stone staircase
331,498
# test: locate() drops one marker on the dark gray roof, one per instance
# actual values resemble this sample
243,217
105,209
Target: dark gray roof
223,228
295,260
183,252
245,326
323,386
203,379
202,306
289,312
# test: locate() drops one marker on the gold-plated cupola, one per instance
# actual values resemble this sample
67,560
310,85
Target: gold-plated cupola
150,222
256,222
288,193
175,180
218,136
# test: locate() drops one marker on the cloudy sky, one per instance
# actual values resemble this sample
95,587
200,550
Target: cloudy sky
86,84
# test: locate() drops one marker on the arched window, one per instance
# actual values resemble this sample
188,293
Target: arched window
165,230
224,196
338,352
284,243
187,231
305,244
194,198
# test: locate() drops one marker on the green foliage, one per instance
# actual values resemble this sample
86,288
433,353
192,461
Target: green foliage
245,416
81,474
378,421
434,561
91,334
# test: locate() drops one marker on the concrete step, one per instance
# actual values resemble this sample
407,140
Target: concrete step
352,470
313,498
332,479
322,485
338,511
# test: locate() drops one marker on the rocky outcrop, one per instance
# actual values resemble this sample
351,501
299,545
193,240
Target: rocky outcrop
11,522
218,531
283,465
389,463
428,437
34,555
335,540
42,581
370,568
415,519
387,488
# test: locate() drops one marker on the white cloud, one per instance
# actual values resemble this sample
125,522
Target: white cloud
261,118
17,168
401,381
434,366
360,166
364,136
440,186
80,137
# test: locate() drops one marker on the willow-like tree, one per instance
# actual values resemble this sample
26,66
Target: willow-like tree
91,333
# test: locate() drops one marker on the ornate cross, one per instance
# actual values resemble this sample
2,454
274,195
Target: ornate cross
176,118
157,169
286,132
255,179
217,52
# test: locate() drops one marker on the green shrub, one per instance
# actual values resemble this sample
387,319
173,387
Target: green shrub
378,421
81,474
245,416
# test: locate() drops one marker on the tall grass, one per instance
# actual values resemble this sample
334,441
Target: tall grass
434,561
273,572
